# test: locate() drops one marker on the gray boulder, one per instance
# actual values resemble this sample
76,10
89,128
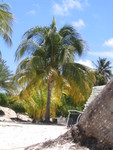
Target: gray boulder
24,118
7,114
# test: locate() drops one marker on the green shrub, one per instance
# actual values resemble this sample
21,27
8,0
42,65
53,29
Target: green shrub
17,107
68,104
4,99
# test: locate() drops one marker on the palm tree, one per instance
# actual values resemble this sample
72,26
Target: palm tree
103,71
6,19
51,59
5,75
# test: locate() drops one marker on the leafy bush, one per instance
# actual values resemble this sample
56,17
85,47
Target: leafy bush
68,104
4,99
17,107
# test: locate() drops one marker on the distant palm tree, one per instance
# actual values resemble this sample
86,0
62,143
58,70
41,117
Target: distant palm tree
5,75
6,19
103,69
51,59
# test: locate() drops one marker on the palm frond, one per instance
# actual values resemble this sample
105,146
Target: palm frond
6,19
71,37
38,32
27,47
80,76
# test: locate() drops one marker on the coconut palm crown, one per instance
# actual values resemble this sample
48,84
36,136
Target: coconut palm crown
103,69
50,58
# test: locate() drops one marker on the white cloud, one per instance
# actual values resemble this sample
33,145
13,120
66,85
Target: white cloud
109,43
31,12
79,24
36,5
66,5
63,9
86,63
102,54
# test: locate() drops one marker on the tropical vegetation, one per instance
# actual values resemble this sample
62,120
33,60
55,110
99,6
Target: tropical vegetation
6,19
48,71
5,75
48,81
4,99
49,65
103,71
67,103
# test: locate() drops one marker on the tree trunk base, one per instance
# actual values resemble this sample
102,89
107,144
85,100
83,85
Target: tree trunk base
89,142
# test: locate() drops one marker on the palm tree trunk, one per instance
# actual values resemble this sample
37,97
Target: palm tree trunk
97,119
41,116
34,118
47,115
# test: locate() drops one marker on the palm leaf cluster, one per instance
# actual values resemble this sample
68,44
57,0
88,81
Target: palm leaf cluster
104,67
103,71
6,19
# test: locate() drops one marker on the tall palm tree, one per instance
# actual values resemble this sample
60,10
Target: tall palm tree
6,19
103,70
51,59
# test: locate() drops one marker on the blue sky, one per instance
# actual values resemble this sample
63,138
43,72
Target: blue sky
93,19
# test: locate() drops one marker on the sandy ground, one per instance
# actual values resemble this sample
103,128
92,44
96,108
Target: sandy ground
15,136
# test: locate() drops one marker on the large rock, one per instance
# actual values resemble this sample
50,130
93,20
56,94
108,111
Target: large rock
24,118
97,119
8,113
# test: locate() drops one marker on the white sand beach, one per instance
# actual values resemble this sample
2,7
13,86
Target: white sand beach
16,136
